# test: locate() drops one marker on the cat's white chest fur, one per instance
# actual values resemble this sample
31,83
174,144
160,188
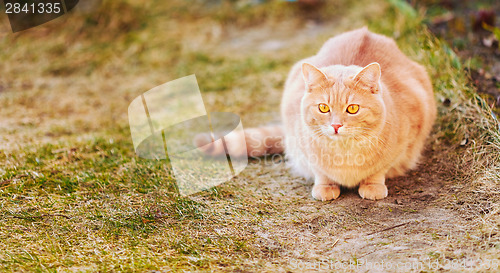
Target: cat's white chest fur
345,163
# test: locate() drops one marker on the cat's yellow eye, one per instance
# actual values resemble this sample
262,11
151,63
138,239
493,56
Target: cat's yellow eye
352,109
323,108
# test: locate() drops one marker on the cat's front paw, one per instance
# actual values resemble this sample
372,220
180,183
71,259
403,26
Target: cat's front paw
325,192
372,191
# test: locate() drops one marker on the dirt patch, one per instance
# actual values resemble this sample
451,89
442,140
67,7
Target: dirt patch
416,223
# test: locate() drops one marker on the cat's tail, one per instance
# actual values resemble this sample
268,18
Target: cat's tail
257,141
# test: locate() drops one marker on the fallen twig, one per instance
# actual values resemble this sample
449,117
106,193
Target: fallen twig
41,216
389,228
5,182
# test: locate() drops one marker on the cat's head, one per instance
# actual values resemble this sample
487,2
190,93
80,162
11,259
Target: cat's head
342,101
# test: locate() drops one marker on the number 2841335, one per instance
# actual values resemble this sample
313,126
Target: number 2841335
33,8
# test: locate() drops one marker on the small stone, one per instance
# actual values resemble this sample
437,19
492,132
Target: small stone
488,41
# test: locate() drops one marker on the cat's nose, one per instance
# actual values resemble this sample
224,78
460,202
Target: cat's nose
336,127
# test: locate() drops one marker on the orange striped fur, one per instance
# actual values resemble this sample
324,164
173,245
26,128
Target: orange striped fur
384,138
259,142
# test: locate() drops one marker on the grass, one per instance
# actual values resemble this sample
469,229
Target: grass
74,197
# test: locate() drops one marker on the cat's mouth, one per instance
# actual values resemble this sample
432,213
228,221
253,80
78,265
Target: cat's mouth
336,136
333,134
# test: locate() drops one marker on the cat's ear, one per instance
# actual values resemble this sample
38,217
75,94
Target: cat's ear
368,78
312,74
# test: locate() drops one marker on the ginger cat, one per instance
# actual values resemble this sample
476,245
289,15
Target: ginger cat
354,114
